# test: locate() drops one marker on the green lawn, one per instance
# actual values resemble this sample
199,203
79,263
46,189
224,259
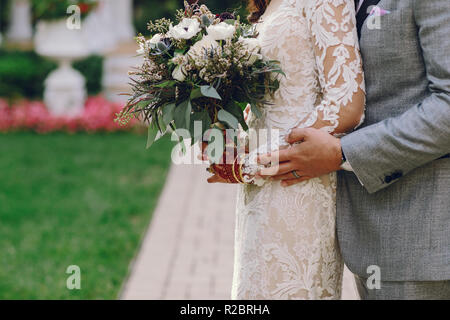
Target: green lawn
81,200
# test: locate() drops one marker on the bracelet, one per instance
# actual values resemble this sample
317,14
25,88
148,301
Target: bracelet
234,172
241,165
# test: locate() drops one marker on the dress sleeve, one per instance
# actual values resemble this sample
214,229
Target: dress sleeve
332,24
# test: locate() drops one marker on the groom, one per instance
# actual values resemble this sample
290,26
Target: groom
393,214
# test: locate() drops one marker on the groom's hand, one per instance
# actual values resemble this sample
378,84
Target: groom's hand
316,154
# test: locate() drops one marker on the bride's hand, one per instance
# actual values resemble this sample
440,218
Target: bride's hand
319,153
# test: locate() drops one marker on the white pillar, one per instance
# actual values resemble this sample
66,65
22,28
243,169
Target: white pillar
20,29
99,28
123,58
124,28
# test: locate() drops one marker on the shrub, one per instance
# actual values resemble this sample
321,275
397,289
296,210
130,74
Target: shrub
92,70
22,74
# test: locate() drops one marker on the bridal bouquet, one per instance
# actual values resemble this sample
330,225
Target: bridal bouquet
205,69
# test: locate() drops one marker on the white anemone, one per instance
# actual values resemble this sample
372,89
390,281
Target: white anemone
199,47
221,31
186,29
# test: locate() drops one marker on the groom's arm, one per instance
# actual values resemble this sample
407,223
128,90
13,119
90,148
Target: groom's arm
384,152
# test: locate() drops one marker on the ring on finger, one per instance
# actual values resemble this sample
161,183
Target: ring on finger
295,174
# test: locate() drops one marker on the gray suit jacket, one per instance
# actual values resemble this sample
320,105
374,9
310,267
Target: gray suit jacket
400,219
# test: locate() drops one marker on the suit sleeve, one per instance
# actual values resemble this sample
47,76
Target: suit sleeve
383,153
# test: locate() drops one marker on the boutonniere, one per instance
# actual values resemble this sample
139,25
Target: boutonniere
378,12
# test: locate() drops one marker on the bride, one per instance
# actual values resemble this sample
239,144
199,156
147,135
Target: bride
285,245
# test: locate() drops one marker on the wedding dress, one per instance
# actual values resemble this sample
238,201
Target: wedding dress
285,243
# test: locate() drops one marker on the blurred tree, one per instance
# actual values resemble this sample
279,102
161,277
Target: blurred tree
146,10
4,10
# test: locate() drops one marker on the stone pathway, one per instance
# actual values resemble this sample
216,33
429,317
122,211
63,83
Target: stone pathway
188,250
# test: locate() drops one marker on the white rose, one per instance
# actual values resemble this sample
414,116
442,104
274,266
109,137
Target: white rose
221,31
179,73
253,46
199,47
186,29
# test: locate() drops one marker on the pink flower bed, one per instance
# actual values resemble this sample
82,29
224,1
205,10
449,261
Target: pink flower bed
98,116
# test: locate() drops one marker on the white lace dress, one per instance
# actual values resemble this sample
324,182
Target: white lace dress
286,247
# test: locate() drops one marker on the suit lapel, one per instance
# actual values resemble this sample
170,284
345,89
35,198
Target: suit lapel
363,14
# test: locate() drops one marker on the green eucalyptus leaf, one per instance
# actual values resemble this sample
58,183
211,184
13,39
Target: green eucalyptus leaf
236,110
228,118
205,91
196,93
210,92
188,113
179,115
162,126
204,118
168,113
151,135
182,114
255,110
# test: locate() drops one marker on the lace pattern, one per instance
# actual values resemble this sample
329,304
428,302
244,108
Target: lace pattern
286,246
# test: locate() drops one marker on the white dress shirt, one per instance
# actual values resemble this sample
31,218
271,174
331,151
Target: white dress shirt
359,5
